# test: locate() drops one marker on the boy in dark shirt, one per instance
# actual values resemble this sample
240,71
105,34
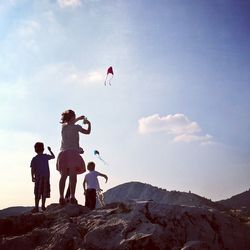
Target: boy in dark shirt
40,174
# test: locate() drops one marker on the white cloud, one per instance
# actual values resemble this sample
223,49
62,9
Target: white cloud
68,74
178,126
204,140
73,75
170,124
69,3
94,76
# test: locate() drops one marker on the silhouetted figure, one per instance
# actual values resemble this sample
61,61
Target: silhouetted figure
69,161
91,185
40,174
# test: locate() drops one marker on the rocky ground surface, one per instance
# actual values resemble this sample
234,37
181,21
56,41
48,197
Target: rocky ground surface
128,225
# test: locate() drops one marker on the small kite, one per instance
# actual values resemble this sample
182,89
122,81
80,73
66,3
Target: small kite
97,154
109,76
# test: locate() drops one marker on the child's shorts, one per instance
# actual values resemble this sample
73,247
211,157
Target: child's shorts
42,187
70,162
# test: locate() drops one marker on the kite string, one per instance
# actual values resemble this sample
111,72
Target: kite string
105,82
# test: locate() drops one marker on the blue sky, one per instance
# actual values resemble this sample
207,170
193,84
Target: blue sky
176,115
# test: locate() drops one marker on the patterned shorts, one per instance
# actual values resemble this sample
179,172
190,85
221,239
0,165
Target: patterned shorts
42,187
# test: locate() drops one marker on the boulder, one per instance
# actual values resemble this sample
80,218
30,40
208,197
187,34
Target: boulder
119,226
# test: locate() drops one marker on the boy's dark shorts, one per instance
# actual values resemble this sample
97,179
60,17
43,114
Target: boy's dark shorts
90,198
42,187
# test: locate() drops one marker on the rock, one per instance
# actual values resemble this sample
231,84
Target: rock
196,245
119,226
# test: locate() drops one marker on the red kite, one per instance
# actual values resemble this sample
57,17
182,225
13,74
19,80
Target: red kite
109,76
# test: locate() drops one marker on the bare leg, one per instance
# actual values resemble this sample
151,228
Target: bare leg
37,203
62,185
72,181
43,202
67,196
36,208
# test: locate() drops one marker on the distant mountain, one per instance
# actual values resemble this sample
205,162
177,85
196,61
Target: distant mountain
13,211
140,192
241,200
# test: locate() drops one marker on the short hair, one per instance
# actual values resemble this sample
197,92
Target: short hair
67,115
91,166
39,147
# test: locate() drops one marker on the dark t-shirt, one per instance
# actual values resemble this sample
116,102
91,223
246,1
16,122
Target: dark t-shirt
40,164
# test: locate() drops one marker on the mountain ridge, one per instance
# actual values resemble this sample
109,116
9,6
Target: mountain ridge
135,190
241,200
141,191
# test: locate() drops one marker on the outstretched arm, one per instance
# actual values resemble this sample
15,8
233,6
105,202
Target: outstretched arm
104,176
51,153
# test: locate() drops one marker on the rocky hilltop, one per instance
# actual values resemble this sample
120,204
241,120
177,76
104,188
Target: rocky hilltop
136,191
129,225
238,201
136,216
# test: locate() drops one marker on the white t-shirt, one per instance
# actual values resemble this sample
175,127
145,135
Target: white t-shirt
92,181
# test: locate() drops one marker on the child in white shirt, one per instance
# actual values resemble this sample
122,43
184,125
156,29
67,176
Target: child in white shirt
91,185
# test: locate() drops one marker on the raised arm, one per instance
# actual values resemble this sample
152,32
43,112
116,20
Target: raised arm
88,130
82,117
104,176
86,121
51,153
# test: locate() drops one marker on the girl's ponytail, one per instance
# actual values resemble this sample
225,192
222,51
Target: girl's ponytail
67,115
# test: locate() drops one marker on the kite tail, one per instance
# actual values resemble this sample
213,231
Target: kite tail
110,79
105,163
100,158
105,82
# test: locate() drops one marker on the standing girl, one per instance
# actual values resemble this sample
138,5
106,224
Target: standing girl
69,161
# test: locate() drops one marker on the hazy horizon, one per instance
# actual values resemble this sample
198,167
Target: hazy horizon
176,115
82,203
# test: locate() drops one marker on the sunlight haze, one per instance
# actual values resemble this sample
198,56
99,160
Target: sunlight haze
177,113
